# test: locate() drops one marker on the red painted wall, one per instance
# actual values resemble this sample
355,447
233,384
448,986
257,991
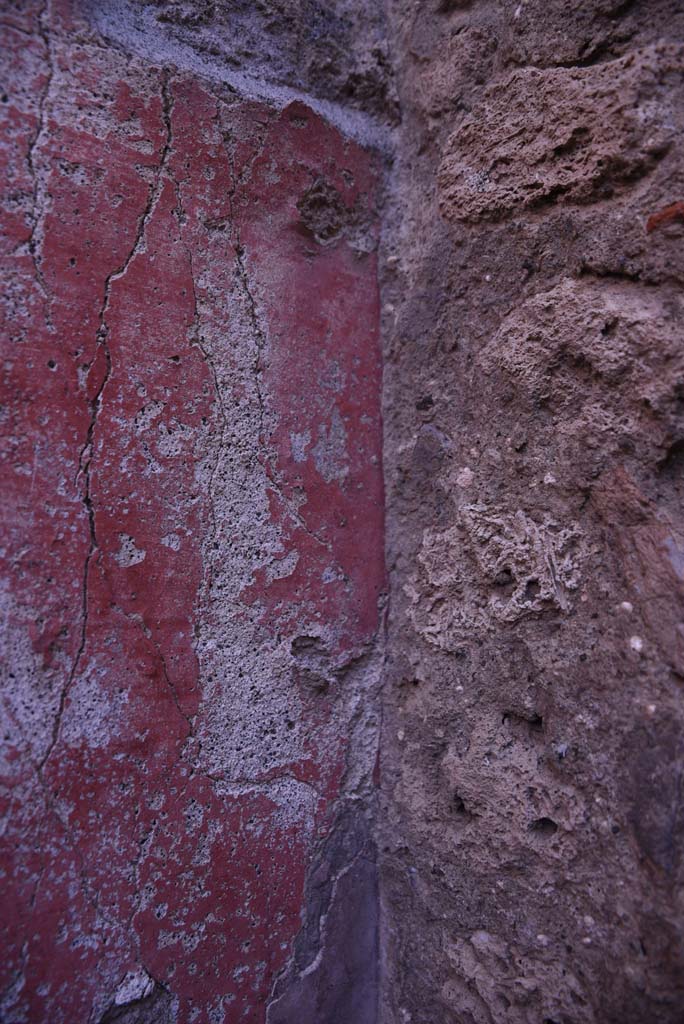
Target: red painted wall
191,498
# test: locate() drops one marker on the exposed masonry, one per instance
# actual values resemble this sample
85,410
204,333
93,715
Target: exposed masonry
532,317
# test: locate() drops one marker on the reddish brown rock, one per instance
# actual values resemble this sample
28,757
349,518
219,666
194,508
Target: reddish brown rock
532,713
561,135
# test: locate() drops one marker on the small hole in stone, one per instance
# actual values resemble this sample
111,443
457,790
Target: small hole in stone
458,805
72,261
175,359
531,590
504,579
673,461
535,722
425,403
51,364
544,826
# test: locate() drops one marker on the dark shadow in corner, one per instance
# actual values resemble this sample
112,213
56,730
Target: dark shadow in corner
333,975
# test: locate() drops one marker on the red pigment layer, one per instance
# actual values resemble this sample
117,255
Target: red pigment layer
140,210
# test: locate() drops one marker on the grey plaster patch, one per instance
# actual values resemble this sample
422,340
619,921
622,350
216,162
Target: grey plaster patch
330,452
298,445
30,689
137,29
129,553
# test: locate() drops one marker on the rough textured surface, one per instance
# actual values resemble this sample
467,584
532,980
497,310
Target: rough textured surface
192,531
562,134
333,54
196,825
533,728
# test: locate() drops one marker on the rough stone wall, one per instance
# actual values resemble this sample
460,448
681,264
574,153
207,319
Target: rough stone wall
191,538
533,741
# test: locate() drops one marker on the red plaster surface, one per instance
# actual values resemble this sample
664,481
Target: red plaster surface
137,203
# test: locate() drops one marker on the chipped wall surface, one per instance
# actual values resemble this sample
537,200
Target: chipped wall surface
234,787
192,534
533,726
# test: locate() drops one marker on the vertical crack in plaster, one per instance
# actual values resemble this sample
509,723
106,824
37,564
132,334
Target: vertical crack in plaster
199,341
85,462
86,454
167,678
34,144
259,337
260,347
164,166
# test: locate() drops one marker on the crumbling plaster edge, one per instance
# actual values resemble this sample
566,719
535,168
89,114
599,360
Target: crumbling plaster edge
112,23
142,38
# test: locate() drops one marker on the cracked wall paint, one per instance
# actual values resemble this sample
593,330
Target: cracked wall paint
192,604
